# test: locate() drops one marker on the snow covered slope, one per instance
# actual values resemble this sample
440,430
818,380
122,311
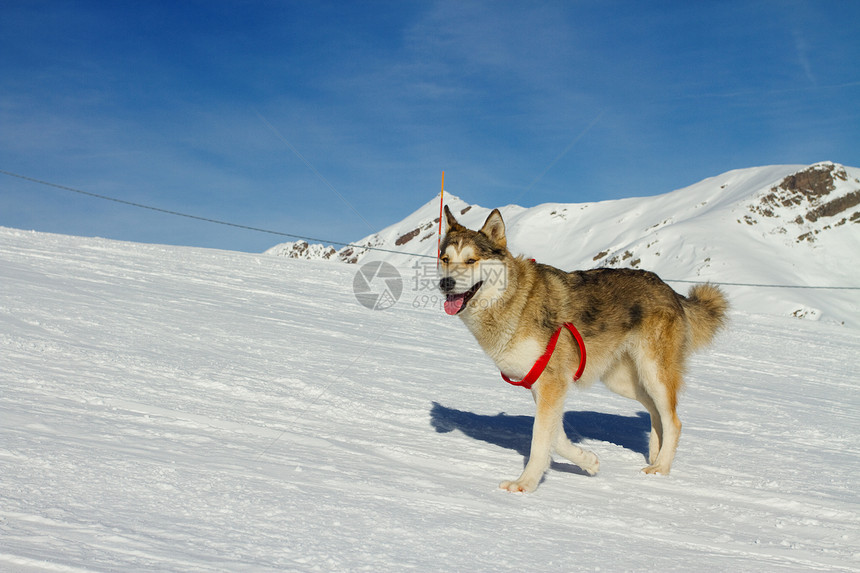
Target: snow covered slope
785,225
175,409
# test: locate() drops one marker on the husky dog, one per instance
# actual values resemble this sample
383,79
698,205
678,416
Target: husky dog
636,330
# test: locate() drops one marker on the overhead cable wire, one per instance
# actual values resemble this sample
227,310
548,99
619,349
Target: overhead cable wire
763,285
205,219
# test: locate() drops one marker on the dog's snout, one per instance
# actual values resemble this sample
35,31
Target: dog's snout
447,284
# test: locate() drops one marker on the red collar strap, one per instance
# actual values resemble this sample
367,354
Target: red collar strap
541,363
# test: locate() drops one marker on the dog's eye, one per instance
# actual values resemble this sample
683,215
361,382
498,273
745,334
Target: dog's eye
471,262
444,260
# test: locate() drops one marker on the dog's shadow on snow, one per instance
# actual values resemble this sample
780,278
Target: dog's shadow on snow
515,432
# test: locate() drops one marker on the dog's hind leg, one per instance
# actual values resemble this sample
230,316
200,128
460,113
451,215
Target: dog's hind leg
665,430
548,393
660,367
623,378
655,438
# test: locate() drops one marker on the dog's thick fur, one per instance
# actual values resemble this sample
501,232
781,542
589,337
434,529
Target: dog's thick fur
637,333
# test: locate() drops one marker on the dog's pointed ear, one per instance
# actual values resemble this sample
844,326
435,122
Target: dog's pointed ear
494,228
450,221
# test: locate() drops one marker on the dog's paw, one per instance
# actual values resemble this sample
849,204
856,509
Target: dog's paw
590,464
655,469
518,486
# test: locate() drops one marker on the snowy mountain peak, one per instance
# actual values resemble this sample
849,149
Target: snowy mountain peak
792,201
411,236
303,250
792,226
806,203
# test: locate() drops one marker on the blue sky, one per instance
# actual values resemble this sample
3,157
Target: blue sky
336,119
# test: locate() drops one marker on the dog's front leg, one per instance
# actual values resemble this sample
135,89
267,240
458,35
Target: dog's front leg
549,395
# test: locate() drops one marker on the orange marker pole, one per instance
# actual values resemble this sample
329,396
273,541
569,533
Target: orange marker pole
441,206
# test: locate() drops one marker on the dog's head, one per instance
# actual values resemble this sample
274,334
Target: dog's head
473,269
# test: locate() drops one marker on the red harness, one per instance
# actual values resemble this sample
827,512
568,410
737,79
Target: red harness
541,363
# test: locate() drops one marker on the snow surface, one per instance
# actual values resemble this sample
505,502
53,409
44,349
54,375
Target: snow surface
178,409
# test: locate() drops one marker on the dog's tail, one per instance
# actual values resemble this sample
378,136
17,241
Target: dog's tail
706,307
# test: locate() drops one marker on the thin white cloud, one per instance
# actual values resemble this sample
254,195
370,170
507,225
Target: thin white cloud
802,52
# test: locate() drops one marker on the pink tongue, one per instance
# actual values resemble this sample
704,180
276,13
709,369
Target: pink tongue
454,303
